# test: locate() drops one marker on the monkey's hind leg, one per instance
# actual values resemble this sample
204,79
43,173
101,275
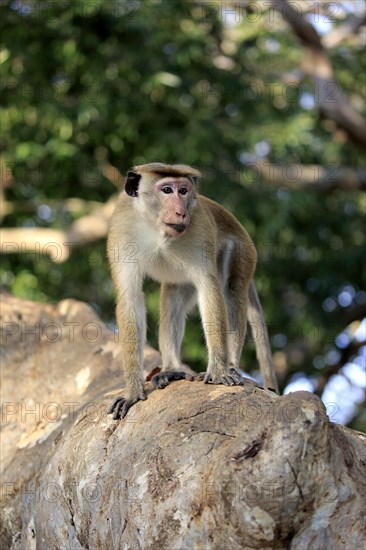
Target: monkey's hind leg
163,379
175,302
215,325
236,296
241,265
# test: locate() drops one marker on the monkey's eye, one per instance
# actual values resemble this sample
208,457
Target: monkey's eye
167,190
183,191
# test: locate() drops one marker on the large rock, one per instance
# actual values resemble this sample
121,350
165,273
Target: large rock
193,467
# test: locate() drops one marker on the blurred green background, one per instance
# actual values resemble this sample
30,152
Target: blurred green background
90,88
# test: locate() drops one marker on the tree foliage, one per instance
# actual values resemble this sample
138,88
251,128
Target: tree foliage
91,88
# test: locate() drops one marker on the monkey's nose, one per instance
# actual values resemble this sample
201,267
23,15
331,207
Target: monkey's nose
181,214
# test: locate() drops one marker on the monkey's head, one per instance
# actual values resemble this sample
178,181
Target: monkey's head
164,194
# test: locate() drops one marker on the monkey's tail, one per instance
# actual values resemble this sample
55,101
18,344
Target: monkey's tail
260,335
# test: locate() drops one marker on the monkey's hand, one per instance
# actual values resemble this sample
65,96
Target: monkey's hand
232,378
163,379
121,405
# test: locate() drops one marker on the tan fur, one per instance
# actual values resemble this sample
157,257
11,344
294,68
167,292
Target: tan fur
198,251
173,169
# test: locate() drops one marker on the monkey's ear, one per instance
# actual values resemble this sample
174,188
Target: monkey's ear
132,184
194,180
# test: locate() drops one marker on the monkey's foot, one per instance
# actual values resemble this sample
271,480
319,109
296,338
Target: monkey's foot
232,378
163,379
121,405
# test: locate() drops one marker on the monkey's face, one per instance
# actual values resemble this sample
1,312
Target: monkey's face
176,198
164,195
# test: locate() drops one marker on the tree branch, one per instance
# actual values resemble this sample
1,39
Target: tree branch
192,466
355,313
56,243
349,28
112,174
313,177
332,101
346,355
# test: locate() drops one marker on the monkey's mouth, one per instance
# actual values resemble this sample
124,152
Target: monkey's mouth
178,227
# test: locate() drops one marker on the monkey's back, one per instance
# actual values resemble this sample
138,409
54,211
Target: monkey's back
225,222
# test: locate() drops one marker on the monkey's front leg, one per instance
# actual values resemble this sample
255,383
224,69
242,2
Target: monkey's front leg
131,318
215,325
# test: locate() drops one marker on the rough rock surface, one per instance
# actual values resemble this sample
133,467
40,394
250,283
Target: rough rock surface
193,467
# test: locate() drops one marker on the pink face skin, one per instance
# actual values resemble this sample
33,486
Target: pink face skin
175,195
